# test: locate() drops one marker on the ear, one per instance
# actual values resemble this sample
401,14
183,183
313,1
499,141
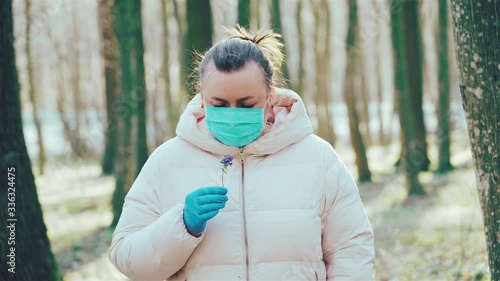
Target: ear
272,95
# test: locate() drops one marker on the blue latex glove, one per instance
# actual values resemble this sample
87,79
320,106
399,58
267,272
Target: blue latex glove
202,205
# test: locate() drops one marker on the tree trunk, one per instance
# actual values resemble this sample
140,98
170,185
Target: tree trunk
25,249
127,15
444,91
198,35
477,43
180,18
42,157
81,147
255,12
111,74
59,85
413,38
276,22
409,149
155,106
171,106
351,78
299,85
322,54
364,103
379,68
380,95
244,13
140,91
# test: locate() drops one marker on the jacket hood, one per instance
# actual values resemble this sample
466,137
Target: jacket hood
291,124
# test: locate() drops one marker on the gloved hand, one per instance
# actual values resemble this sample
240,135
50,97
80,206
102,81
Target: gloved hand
202,205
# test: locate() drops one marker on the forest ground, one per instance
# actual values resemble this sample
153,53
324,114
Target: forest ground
438,236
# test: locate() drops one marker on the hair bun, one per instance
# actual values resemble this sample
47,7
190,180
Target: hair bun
267,40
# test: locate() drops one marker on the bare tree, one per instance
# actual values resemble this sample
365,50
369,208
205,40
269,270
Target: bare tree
198,34
477,44
408,138
111,75
78,106
444,91
323,83
132,146
277,25
171,105
244,13
59,79
380,74
26,252
352,78
42,157
414,58
299,84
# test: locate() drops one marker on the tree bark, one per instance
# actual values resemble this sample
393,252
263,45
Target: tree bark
111,74
29,249
198,36
42,157
413,38
410,160
244,13
127,15
444,91
477,43
351,78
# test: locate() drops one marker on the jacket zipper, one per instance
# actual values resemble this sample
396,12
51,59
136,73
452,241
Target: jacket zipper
242,162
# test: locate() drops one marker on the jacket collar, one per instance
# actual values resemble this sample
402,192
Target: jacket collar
291,125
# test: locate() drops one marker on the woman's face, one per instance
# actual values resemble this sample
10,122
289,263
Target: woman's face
246,87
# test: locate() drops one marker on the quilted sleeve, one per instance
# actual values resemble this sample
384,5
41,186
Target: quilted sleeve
347,240
148,244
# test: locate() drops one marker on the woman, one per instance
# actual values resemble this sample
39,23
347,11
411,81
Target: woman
285,208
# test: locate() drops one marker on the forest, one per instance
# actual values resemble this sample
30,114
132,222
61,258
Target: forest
406,91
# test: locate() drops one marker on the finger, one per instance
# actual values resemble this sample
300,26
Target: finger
210,208
207,199
211,190
209,215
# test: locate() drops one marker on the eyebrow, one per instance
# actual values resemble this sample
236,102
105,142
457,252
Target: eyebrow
239,100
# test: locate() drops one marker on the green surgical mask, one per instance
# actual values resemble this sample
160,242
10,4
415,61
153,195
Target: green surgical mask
235,126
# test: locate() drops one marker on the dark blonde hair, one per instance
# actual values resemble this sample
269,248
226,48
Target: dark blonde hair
242,46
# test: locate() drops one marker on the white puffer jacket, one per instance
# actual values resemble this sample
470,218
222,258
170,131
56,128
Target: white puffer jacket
294,211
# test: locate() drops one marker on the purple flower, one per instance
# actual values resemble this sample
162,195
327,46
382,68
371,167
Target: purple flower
226,161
